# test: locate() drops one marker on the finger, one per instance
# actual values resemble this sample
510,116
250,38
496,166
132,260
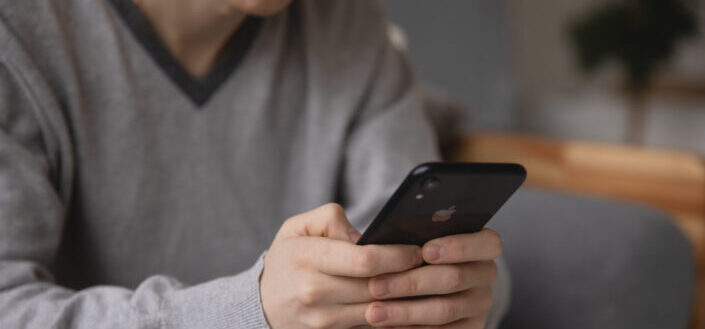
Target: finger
347,290
433,280
436,310
463,248
472,323
320,289
334,257
325,221
336,316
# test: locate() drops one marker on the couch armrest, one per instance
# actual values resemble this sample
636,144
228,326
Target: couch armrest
592,263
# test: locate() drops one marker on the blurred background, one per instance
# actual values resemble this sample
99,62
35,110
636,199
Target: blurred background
597,98
516,66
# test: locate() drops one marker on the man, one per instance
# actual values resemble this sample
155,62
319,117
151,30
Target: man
150,150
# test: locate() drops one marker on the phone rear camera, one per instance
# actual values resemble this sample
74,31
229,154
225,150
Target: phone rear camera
430,183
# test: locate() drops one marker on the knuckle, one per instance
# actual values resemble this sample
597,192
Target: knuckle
333,210
299,262
402,315
453,278
319,320
411,286
289,221
298,259
405,286
364,260
447,311
308,294
289,224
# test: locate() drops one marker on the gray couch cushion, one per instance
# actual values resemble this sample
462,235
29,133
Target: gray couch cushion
588,263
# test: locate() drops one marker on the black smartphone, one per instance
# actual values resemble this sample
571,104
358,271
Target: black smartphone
439,199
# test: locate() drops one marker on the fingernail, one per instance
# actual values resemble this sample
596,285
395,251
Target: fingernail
433,252
353,234
378,314
380,287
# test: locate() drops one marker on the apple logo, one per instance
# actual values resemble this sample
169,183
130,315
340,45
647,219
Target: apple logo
443,215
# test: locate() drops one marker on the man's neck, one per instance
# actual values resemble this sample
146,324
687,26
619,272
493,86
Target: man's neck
194,31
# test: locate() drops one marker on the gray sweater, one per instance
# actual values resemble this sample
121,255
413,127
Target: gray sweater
133,196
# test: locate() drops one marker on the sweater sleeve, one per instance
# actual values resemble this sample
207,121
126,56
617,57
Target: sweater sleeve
32,216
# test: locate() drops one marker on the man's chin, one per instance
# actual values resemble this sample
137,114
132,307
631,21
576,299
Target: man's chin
262,8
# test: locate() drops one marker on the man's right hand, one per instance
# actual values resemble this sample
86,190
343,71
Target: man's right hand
316,277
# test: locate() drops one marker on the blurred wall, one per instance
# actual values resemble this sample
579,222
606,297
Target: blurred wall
511,63
462,47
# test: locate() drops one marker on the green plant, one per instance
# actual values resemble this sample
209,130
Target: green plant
640,36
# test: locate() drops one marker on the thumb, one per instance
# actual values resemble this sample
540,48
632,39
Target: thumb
327,221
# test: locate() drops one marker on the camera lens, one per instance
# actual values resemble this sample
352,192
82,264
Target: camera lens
430,184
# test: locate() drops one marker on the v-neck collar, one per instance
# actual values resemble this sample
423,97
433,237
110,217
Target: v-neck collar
198,90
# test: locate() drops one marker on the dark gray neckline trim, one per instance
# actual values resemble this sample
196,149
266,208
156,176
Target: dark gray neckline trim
198,90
